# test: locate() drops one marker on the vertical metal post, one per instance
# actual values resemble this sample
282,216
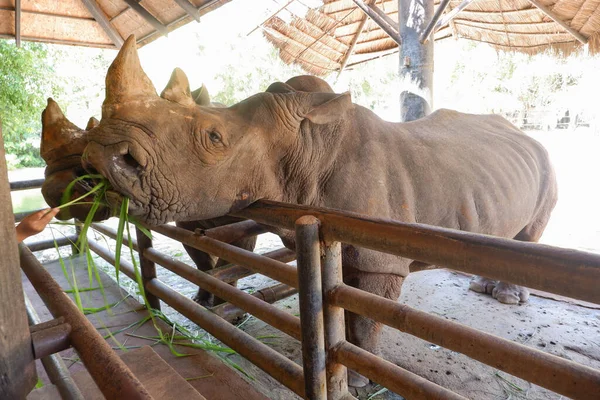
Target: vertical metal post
416,59
17,364
335,329
148,267
311,307
74,249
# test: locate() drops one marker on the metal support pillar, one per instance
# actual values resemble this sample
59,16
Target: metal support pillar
17,364
148,268
310,298
335,329
416,59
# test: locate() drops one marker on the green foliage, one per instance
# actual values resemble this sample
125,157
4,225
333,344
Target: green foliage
32,73
24,86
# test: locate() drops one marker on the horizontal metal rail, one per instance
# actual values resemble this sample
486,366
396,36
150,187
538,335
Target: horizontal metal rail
270,314
231,312
233,232
124,266
112,233
110,373
51,243
570,273
399,380
21,215
277,270
575,380
26,185
230,273
285,371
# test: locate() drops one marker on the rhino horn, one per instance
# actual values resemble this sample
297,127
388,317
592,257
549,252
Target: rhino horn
201,96
57,131
92,123
126,80
178,89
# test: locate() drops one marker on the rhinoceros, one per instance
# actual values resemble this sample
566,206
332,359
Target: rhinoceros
178,161
62,146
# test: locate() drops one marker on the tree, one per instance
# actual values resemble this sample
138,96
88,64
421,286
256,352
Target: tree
24,85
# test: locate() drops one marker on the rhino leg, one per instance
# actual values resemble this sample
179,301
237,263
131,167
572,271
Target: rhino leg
481,284
205,262
504,292
361,331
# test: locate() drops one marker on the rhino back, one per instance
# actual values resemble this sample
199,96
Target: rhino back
470,172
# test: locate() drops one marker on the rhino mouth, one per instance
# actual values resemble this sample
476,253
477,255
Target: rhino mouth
120,164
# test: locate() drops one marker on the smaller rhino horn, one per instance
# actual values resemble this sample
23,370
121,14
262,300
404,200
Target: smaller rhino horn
57,131
201,96
178,89
92,123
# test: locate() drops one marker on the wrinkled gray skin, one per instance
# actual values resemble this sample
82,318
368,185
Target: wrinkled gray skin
176,161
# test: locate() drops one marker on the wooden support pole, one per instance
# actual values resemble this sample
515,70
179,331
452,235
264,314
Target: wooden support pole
17,364
383,15
145,14
359,31
189,8
271,16
147,266
559,21
438,13
310,299
334,26
444,21
102,19
18,22
391,30
416,60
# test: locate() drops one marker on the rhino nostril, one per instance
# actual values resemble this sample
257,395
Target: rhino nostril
130,161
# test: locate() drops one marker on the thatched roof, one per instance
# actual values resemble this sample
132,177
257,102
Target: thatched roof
319,39
97,23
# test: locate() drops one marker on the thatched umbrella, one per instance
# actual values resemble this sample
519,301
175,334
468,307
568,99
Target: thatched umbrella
98,23
339,34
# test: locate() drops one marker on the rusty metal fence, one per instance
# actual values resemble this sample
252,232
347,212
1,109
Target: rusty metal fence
323,297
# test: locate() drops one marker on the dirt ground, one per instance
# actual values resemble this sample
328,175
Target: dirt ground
568,329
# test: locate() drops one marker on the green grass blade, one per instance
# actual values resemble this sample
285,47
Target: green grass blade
75,201
69,189
207,346
200,377
76,289
120,231
139,225
82,290
135,324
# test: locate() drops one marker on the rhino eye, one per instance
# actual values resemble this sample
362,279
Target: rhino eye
214,137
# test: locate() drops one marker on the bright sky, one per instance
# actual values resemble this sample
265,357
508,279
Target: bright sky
181,48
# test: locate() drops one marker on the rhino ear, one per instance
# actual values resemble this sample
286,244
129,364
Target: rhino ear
92,123
280,87
178,89
201,96
325,108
